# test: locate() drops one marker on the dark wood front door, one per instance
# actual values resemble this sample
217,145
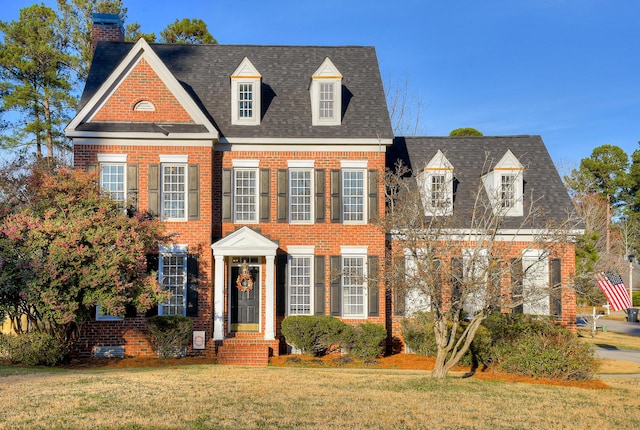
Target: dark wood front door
245,305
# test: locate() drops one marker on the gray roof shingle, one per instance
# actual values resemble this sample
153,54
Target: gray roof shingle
205,70
472,157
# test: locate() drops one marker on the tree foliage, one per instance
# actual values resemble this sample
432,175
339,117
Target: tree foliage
35,77
187,30
465,131
71,249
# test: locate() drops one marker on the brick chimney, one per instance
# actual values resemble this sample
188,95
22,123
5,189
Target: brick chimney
106,27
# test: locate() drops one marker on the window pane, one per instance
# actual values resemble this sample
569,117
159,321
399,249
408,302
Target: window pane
507,196
173,279
245,100
300,286
326,100
353,195
353,286
438,195
300,195
173,191
245,195
112,181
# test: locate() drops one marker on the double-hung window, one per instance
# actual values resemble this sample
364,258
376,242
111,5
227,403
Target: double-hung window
245,191
113,176
301,185
327,100
507,191
505,186
173,179
245,94
354,282
438,193
172,275
300,295
326,95
354,191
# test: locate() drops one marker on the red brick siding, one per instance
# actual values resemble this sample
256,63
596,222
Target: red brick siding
142,84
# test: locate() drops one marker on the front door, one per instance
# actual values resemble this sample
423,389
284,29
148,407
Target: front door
245,296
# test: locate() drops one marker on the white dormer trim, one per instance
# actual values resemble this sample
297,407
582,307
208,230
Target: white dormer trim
246,80
436,186
326,95
505,186
141,50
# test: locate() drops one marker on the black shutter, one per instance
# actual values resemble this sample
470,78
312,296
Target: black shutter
373,195
265,186
226,195
399,292
320,195
456,281
192,285
154,189
516,285
153,264
319,286
132,187
336,196
194,192
555,287
281,284
336,285
373,289
283,190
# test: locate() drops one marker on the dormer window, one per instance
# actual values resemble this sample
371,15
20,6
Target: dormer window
505,186
245,94
326,94
144,106
436,186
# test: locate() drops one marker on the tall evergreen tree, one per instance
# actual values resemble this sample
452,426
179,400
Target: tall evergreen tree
35,80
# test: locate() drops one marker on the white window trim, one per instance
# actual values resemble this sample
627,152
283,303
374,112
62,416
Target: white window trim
354,164
425,179
327,73
124,178
112,158
536,256
301,164
351,253
246,73
508,165
186,185
301,252
171,250
415,299
175,159
241,162
365,193
312,178
234,193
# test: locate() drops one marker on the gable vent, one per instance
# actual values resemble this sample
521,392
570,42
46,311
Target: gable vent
144,106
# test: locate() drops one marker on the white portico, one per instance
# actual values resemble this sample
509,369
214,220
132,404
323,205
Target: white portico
239,255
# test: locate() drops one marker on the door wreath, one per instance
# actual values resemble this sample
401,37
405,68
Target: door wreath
244,281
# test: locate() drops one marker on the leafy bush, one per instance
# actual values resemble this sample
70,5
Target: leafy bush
313,334
636,298
364,341
170,335
540,355
32,349
419,336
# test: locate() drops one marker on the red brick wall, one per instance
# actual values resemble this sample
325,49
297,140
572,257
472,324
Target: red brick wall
110,33
142,84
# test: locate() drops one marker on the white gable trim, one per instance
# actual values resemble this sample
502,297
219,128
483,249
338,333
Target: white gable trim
244,242
141,50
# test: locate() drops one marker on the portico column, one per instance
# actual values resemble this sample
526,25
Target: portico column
218,299
269,327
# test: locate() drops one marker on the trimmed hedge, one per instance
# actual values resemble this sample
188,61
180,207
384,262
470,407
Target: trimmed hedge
365,341
32,349
314,335
170,335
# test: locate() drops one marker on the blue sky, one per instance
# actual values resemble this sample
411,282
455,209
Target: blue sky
568,70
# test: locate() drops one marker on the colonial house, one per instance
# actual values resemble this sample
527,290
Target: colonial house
266,165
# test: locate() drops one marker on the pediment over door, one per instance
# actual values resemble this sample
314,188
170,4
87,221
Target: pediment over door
244,242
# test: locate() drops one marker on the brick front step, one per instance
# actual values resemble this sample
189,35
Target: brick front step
243,352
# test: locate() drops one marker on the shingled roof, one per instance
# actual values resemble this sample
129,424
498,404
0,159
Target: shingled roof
472,157
204,71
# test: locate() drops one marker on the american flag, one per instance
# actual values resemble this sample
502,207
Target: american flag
613,287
